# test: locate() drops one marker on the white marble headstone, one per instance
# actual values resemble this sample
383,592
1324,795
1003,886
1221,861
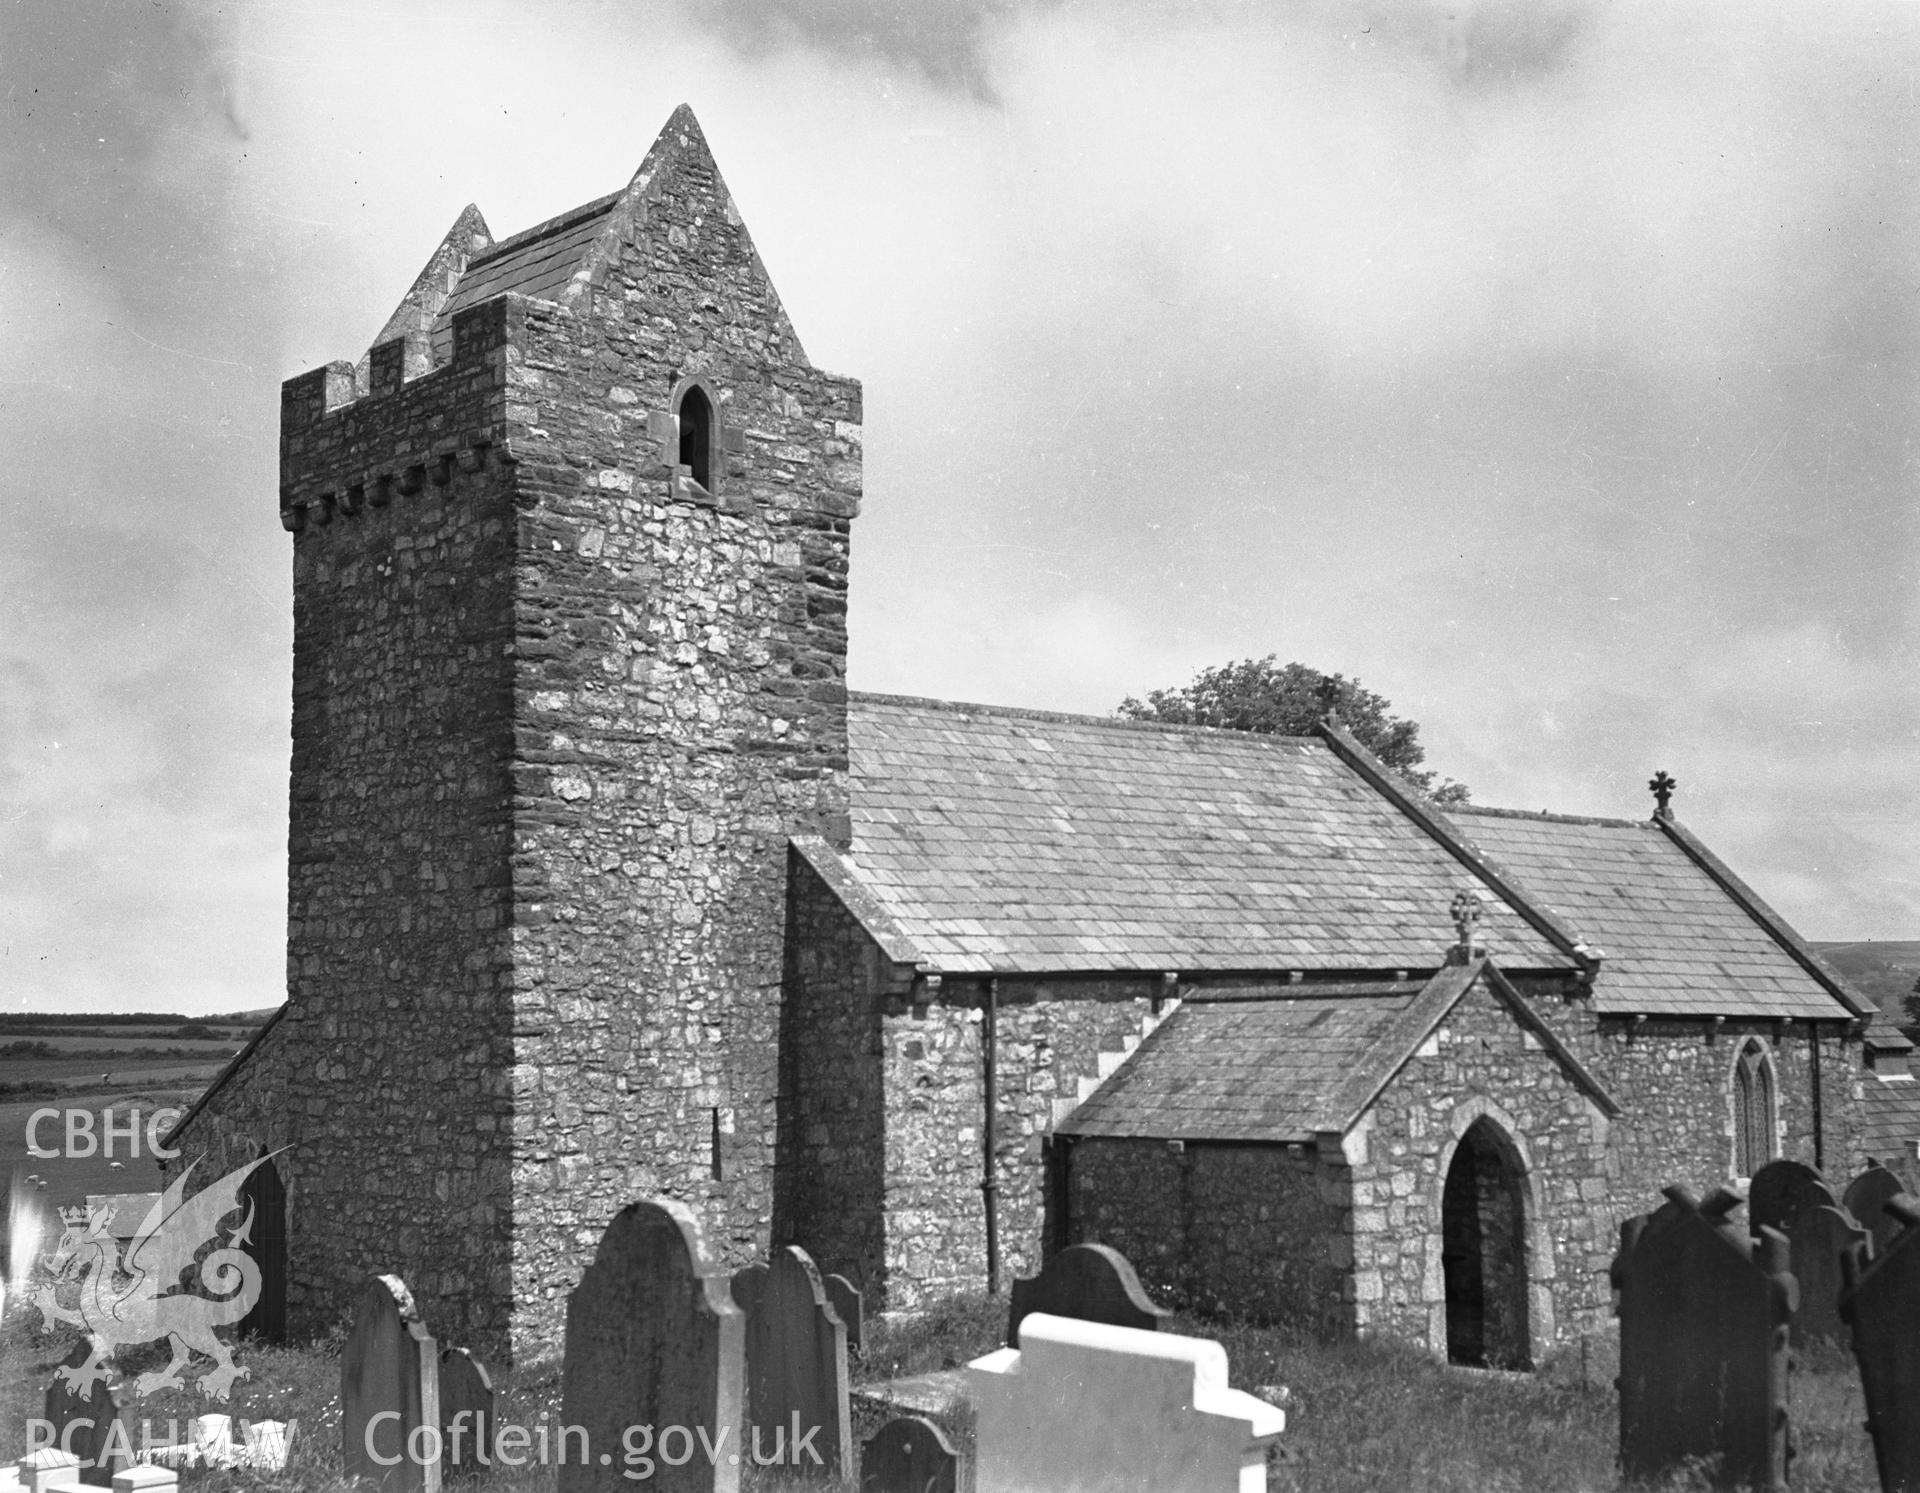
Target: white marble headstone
143,1477
1081,1407
47,1468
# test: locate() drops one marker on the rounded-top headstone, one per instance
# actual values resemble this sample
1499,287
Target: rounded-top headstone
466,1411
88,1424
748,1283
1090,1282
653,1339
1867,1199
1783,1192
389,1386
909,1454
1821,1243
797,1358
849,1306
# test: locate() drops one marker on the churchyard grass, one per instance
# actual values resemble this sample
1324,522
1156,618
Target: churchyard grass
1362,1416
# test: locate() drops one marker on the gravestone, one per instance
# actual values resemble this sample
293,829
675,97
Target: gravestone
102,1445
41,1470
910,1454
144,1477
1781,1192
797,1365
1085,1407
1090,1282
654,1339
747,1284
1867,1198
850,1307
1881,1302
1819,1246
389,1364
466,1412
1703,1344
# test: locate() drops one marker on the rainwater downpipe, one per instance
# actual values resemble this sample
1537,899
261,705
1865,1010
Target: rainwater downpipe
989,1188
1819,1147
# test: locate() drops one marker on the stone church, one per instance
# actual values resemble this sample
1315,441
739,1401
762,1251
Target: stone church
602,883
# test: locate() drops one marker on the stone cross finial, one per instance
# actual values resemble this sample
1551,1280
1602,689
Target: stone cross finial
1663,783
1467,911
1327,696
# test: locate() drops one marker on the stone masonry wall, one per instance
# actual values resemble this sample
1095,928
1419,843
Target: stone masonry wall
385,1074
1050,1034
1481,1062
1673,1080
1257,1231
679,711
829,1184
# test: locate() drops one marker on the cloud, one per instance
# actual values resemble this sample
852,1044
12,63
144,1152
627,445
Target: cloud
941,40
1550,368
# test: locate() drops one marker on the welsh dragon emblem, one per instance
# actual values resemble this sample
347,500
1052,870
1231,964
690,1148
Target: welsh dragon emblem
139,1298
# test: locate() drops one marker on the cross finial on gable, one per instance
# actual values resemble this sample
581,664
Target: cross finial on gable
1663,783
1467,910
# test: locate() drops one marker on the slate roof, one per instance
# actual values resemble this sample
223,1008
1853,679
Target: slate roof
1674,941
1287,1063
1015,841
538,262
1891,1125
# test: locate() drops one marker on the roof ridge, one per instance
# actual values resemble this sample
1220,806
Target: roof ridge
1548,816
551,226
1070,718
1544,919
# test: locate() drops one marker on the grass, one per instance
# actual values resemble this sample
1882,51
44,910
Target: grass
1361,1416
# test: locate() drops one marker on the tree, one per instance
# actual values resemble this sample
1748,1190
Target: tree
1910,1008
1257,694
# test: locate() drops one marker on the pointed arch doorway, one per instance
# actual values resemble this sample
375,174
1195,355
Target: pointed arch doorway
1483,1251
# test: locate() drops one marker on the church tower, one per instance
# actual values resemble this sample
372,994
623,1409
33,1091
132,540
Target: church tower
570,562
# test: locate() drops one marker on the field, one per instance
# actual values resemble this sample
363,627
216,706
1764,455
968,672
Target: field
1882,969
1361,1417
114,1067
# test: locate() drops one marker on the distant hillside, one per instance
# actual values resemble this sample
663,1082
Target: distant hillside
88,1023
1884,969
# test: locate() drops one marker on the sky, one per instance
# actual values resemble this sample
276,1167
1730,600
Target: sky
1549,367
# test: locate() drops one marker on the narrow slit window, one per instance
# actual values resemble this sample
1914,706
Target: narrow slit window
696,436
716,1146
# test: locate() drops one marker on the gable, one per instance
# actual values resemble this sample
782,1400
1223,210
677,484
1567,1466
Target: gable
1295,1062
562,259
1015,841
1674,941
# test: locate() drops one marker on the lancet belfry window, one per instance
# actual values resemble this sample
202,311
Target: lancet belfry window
1752,1110
696,435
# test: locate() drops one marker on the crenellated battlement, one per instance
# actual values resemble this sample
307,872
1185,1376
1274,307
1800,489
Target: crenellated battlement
570,558
347,444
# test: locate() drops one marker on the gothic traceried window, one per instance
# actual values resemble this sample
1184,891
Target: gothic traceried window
1752,1110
